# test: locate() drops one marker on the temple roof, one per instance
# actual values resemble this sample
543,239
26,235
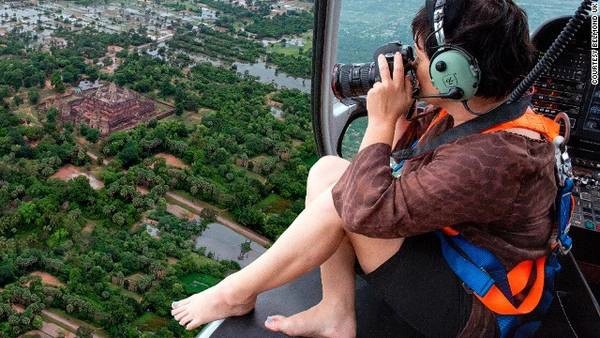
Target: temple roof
112,94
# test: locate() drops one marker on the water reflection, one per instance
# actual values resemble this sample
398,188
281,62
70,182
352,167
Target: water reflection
225,243
269,74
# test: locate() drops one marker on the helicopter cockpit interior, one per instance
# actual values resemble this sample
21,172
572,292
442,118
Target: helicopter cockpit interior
569,85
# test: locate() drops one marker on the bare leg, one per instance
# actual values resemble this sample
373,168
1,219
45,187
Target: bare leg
288,258
319,225
334,316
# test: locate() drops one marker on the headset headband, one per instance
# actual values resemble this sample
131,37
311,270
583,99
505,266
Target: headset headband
438,22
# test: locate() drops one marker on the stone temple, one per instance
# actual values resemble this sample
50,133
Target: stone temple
110,108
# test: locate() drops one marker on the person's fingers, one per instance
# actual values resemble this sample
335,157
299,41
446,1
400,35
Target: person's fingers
398,69
384,69
408,85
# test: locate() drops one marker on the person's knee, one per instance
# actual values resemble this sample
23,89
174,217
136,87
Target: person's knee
325,172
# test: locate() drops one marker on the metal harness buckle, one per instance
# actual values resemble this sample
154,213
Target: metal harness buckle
563,161
564,170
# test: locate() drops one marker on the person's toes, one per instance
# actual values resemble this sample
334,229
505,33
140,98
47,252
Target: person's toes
178,310
179,303
185,320
180,315
273,323
193,324
292,326
283,324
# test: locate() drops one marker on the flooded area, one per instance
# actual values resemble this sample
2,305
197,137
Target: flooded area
225,243
277,113
261,70
270,74
44,18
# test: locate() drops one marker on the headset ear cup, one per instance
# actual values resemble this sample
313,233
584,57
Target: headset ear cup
434,74
453,67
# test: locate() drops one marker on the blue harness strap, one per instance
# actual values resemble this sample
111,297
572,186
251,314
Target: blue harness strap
479,269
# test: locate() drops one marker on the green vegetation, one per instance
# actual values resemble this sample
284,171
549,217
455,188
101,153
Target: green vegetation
215,44
112,274
298,66
92,44
237,135
90,134
47,218
286,24
197,282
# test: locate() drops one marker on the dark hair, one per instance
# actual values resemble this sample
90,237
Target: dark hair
495,32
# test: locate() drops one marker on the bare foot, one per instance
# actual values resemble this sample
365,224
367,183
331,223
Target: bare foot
218,302
325,319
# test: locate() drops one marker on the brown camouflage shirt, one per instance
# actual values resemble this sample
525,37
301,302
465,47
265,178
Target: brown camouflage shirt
497,189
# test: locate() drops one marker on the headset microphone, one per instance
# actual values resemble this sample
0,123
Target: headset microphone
454,93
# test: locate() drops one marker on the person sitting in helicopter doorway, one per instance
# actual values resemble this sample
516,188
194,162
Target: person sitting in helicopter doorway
497,189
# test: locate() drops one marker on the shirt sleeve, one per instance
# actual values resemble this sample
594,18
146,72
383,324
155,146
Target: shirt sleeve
464,183
416,128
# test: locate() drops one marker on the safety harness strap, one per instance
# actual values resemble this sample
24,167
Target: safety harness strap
478,268
499,115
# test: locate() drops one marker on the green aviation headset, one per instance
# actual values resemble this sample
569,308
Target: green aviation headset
453,71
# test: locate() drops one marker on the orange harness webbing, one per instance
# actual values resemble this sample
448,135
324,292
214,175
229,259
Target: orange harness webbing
519,276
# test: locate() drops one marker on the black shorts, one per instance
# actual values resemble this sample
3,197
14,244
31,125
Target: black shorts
421,289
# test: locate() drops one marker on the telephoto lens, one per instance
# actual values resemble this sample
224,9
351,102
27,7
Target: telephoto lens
354,80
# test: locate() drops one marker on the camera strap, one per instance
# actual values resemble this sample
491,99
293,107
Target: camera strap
504,113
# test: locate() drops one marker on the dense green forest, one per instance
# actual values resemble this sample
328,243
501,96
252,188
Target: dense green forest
239,154
111,272
218,45
294,65
285,24
87,238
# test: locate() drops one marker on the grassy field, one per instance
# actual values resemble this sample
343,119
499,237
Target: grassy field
292,50
197,282
274,203
150,322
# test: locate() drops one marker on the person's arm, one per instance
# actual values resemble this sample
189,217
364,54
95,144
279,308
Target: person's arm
465,183
387,101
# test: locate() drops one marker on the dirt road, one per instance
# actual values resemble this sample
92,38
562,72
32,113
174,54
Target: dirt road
186,203
195,208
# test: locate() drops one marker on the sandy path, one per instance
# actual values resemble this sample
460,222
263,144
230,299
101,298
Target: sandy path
70,172
55,323
181,212
95,157
191,206
48,278
172,160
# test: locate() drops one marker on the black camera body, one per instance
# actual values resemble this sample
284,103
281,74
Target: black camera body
354,80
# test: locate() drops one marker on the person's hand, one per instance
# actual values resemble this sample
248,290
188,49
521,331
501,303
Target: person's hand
389,99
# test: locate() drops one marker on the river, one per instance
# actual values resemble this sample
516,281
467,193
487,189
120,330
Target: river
270,74
225,243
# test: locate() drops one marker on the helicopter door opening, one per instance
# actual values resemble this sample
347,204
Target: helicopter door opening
349,31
